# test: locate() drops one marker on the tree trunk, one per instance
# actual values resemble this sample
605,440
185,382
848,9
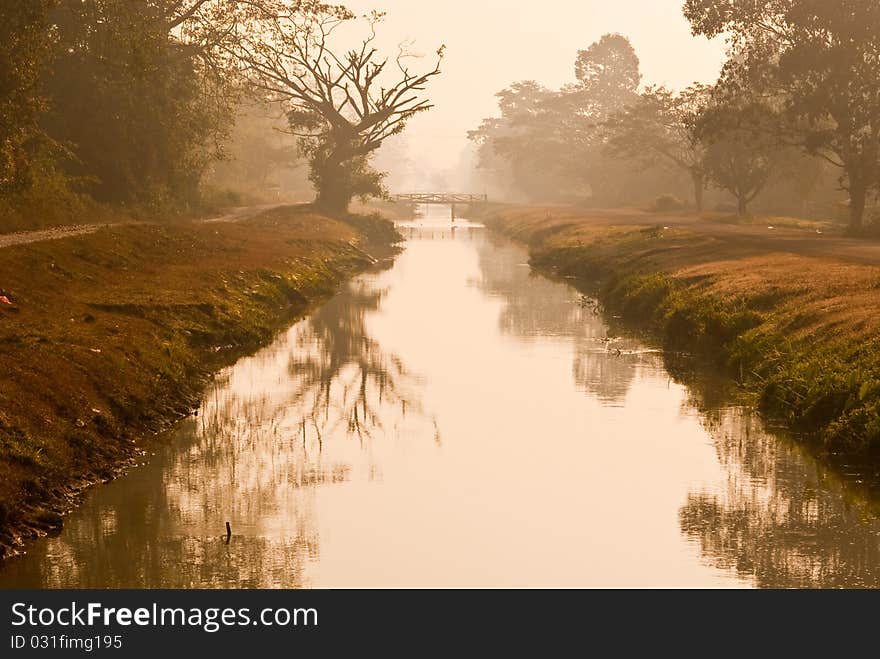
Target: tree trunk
332,206
742,208
329,177
332,200
699,186
858,195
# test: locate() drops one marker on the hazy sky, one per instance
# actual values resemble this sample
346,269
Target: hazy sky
491,43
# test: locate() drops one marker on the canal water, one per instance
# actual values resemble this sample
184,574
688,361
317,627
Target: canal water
454,419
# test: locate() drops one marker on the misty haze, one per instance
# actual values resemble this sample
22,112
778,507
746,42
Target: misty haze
398,294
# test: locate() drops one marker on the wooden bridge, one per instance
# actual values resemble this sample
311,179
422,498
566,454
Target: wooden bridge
441,198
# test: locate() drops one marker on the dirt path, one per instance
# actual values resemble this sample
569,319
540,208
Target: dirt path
796,241
242,213
56,233
25,237
759,237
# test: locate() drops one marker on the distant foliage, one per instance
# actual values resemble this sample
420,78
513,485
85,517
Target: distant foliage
261,162
25,46
667,202
547,144
742,150
608,71
662,127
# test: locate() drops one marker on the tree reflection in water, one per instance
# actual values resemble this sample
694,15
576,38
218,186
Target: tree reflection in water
605,365
783,517
161,525
779,516
270,430
344,378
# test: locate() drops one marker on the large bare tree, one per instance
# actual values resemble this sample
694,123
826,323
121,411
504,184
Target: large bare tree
341,102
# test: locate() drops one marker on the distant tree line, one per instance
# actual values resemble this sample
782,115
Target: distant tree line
798,98
549,142
131,101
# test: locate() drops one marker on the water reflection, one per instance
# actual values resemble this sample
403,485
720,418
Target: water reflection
781,516
604,363
343,376
293,418
457,420
161,525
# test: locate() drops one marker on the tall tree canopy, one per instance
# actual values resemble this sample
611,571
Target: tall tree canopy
131,102
820,60
25,42
608,71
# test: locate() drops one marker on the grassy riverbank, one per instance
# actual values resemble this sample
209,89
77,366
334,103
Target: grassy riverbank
113,336
796,327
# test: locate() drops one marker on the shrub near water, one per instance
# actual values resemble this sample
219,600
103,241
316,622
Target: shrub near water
833,389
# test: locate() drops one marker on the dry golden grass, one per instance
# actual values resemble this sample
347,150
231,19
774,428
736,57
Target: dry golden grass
114,333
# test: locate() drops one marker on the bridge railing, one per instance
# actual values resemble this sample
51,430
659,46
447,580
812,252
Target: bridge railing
440,198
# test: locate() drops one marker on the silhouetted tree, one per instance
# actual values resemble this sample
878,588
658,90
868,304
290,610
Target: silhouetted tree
551,141
341,104
661,126
741,156
608,71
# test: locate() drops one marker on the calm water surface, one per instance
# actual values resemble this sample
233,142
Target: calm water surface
456,420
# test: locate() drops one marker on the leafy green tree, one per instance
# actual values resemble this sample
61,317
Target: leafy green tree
820,59
128,98
25,45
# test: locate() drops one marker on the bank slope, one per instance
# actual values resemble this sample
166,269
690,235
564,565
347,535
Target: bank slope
799,331
109,338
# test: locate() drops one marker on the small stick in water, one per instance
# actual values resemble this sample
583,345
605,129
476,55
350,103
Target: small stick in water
228,532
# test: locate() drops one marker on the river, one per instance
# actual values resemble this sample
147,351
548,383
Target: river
454,419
